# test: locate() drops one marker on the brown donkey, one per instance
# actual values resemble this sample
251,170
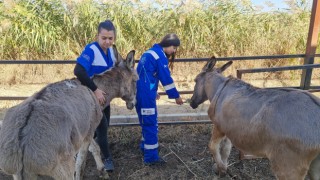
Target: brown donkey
42,135
282,125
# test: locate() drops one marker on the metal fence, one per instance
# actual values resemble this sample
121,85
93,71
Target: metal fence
239,75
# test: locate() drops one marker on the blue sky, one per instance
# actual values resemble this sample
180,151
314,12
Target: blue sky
266,5
281,4
278,4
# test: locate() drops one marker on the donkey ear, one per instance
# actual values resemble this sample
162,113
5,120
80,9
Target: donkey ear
115,50
210,64
117,54
225,66
130,59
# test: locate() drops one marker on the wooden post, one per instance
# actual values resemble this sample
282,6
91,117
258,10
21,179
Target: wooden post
311,44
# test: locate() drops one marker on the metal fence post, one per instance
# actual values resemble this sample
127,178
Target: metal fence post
311,44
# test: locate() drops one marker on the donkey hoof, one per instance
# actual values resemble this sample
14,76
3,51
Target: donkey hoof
221,171
215,168
104,175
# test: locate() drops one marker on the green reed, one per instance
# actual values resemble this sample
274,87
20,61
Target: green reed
59,29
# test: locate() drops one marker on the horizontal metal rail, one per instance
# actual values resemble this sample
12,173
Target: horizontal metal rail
165,123
239,72
11,98
236,58
163,119
14,62
272,69
18,98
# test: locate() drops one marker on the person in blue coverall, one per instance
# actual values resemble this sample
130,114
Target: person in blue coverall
154,67
96,58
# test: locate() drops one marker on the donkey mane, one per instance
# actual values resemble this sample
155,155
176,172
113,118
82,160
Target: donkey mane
111,72
239,83
55,87
251,88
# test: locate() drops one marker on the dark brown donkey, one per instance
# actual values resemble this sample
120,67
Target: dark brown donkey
42,135
282,125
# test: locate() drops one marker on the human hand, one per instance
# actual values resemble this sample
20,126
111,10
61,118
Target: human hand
100,95
158,96
179,101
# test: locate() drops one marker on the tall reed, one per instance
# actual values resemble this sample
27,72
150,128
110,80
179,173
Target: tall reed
59,29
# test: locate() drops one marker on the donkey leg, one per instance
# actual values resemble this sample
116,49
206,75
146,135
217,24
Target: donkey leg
287,173
63,173
289,164
64,170
17,177
81,158
214,147
225,150
95,150
314,171
29,175
24,175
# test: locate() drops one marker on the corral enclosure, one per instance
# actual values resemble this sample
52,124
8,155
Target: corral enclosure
184,147
227,28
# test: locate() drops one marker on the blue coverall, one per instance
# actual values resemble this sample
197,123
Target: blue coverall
96,62
152,68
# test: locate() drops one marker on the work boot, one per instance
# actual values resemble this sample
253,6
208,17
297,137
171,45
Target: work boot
160,162
108,164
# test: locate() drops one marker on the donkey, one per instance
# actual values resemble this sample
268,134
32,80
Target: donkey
42,135
282,125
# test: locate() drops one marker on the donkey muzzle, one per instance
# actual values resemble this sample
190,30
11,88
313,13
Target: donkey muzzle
130,105
193,105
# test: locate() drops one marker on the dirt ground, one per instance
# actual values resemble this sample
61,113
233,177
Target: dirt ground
184,147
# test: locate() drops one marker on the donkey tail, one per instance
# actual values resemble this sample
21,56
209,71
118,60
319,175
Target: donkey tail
10,137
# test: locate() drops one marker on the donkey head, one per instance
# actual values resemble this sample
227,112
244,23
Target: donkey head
128,85
200,91
120,81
